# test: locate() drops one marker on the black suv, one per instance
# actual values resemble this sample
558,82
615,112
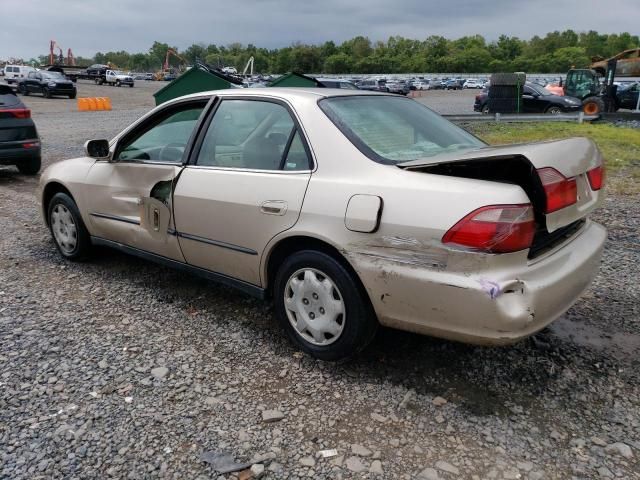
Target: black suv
48,84
19,142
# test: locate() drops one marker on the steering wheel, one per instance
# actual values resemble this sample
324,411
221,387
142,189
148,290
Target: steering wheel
172,152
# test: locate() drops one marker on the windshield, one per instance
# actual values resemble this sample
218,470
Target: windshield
539,89
393,130
53,75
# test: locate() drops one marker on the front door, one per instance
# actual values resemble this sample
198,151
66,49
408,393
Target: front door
130,198
32,82
245,184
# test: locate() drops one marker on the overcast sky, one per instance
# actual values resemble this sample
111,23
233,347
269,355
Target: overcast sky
89,26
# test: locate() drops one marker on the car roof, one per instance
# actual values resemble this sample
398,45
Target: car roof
291,93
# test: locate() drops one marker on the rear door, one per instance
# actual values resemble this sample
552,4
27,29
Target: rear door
129,198
244,185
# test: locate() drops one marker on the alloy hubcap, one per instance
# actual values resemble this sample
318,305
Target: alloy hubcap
314,306
64,228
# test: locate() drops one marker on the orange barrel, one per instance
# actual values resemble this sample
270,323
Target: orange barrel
107,103
82,104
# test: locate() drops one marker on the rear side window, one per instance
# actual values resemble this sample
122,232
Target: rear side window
253,134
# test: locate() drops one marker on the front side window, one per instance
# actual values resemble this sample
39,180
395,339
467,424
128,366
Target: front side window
393,130
165,138
253,134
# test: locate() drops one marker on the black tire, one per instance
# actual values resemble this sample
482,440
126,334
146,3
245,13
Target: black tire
504,91
502,105
359,322
82,247
30,167
485,109
554,110
46,93
22,90
72,96
593,106
118,84
131,85
507,79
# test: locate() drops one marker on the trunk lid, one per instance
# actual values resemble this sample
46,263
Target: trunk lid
572,157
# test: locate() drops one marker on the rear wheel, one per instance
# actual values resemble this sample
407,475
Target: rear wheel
592,105
322,307
72,96
30,167
67,228
23,90
485,109
118,83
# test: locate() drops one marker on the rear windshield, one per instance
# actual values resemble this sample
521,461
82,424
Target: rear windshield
393,130
7,99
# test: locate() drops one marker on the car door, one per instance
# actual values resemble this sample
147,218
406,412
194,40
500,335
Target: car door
31,82
530,101
244,184
129,197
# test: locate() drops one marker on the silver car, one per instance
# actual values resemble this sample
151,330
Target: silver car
347,209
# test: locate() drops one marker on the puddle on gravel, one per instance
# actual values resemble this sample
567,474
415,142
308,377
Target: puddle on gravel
617,343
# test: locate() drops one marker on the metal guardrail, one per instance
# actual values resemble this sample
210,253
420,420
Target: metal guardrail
522,117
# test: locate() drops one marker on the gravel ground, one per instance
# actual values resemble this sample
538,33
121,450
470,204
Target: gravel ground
118,368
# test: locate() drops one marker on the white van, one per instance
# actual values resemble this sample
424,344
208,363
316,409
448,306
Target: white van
14,73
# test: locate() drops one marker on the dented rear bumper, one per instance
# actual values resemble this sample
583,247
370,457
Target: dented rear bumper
490,306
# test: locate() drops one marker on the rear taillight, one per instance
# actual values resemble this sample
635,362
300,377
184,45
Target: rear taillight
560,190
596,177
495,229
31,145
18,112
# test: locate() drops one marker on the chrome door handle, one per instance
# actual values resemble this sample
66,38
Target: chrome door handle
274,207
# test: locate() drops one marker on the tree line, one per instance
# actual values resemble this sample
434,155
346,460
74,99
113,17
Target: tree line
555,52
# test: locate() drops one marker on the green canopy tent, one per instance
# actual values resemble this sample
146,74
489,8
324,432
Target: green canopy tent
294,79
199,78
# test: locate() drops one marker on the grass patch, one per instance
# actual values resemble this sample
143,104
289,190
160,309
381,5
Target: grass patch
620,146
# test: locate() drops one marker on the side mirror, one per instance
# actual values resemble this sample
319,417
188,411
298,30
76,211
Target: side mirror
98,149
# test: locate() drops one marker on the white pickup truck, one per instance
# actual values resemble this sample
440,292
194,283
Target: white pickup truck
118,78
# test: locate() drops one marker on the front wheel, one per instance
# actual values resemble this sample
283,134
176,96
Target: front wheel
118,83
67,228
554,110
46,93
23,90
322,307
593,105
485,109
